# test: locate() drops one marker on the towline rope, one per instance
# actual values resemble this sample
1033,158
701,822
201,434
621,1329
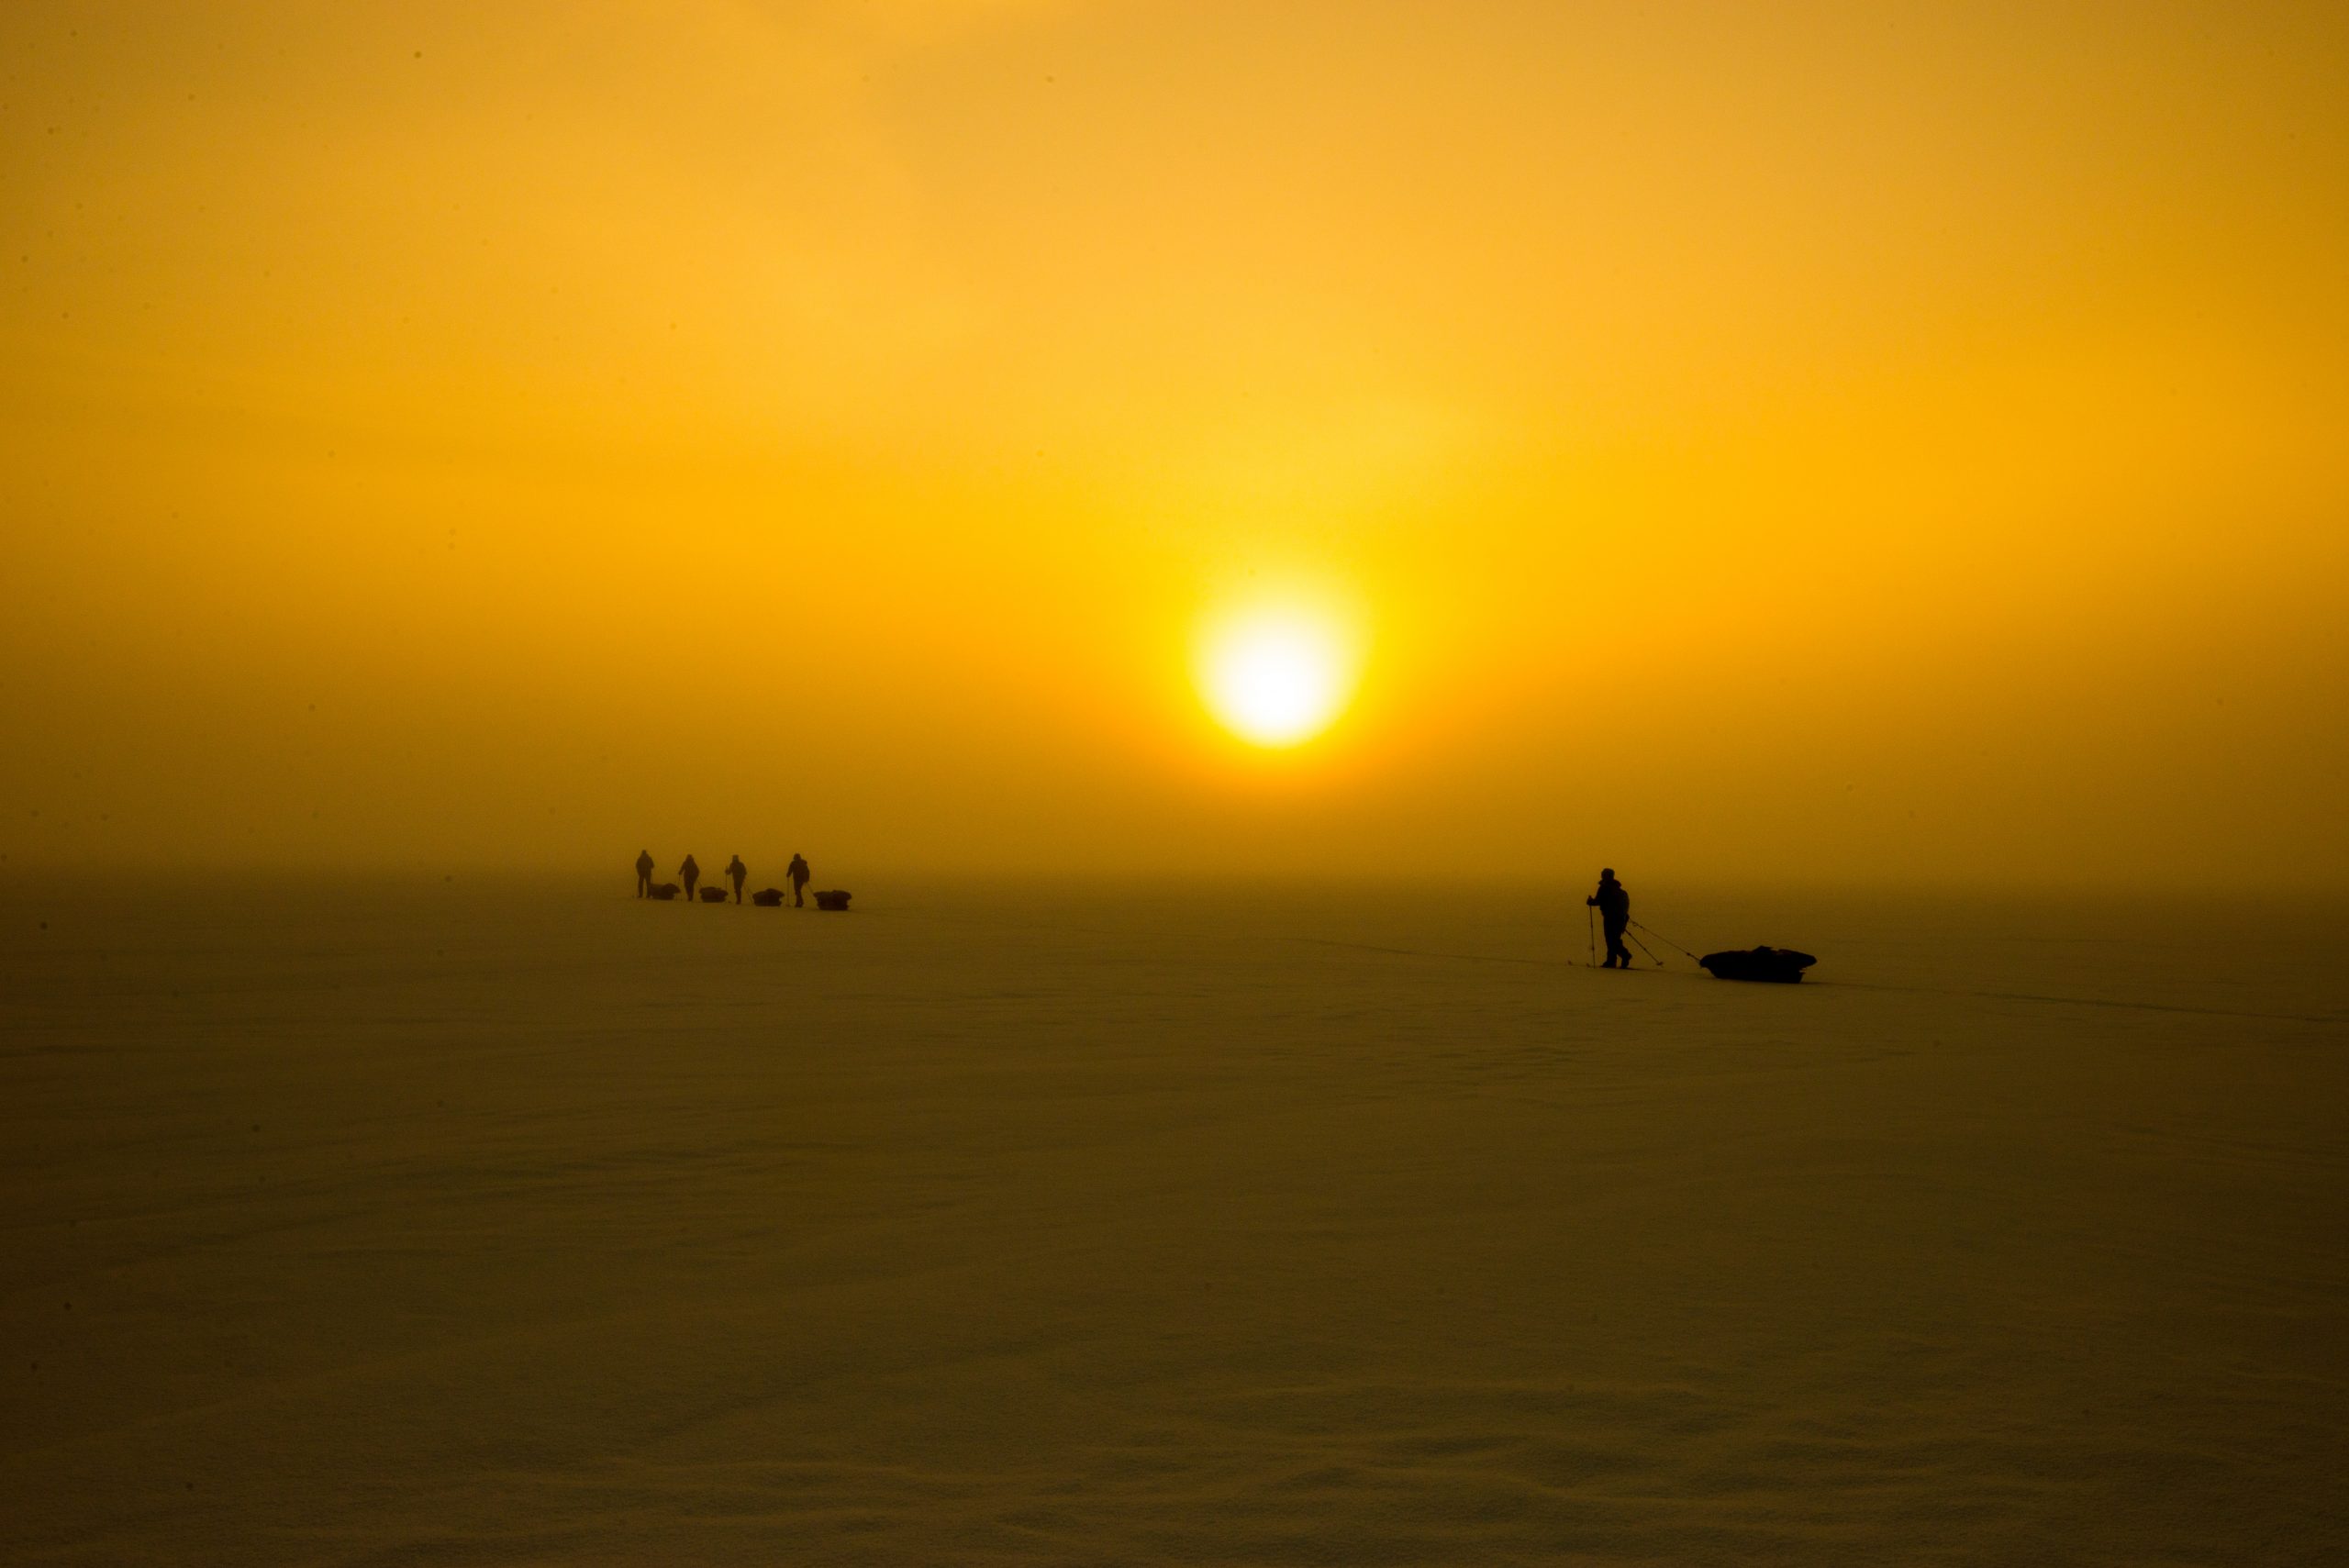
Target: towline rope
1667,941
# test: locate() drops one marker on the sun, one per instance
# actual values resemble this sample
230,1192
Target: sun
1275,677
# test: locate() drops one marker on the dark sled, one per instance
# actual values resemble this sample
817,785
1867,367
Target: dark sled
834,899
768,897
665,890
1781,966
713,895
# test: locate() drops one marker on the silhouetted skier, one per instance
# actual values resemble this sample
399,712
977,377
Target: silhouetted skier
689,873
735,871
1614,908
798,876
644,875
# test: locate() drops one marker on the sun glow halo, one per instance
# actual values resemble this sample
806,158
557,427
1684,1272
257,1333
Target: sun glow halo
1275,679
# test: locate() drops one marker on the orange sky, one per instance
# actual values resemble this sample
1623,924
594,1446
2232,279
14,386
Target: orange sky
1840,442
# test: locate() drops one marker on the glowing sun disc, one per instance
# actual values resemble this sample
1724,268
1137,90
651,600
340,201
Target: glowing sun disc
1274,680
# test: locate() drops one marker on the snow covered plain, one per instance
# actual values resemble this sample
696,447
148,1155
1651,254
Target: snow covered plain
491,1223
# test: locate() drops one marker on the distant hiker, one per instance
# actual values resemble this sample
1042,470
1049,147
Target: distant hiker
735,871
1614,906
689,873
644,875
797,876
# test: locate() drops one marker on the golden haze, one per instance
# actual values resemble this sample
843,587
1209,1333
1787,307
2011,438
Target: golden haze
1838,442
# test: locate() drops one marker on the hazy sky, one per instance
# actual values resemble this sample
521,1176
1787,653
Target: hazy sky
1853,443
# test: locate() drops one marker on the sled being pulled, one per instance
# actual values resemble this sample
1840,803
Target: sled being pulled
1783,966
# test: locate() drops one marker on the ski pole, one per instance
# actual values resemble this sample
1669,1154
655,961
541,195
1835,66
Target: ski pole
1592,922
